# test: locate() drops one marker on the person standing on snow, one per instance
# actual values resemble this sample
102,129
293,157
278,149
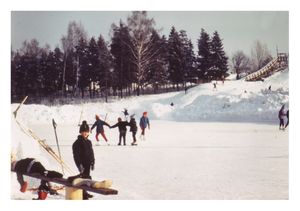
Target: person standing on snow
144,122
122,130
133,129
287,115
83,154
281,116
99,130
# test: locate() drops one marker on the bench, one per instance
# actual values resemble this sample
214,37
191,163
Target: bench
74,192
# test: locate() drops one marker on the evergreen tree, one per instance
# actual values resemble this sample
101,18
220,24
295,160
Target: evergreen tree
53,68
16,76
219,61
83,73
124,72
93,66
175,55
104,64
188,58
204,55
158,73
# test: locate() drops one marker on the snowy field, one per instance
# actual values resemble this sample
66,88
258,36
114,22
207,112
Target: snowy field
190,161
222,144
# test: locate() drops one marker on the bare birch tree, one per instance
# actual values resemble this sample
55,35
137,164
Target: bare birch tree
142,47
75,32
260,55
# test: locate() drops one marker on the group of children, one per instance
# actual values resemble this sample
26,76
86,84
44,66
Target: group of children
122,125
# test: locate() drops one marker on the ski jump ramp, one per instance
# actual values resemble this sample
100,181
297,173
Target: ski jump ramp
277,64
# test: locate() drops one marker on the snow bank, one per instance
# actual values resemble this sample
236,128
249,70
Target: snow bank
233,101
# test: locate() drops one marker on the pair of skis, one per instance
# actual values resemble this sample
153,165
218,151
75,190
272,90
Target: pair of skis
42,142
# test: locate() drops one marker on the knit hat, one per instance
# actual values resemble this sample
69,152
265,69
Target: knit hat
145,113
84,127
132,116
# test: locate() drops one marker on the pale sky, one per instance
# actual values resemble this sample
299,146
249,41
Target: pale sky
238,30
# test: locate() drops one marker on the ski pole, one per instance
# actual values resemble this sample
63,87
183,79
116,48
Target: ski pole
23,101
54,126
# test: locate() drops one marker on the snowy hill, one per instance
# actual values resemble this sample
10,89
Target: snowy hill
235,101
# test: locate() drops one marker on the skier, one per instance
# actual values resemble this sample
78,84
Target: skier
126,114
287,115
281,116
144,122
31,165
215,86
122,130
84,155
99,130
133,129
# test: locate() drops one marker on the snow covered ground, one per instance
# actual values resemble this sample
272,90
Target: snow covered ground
220,144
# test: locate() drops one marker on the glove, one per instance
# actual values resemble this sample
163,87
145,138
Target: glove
92,166
80,168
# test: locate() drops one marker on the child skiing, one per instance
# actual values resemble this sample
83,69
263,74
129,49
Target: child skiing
133,129
99,130
83,154
281,116
144,122
122,130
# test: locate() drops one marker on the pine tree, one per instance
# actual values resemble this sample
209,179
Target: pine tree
93,66
104,60
204,55
188,58
124,72
175,55
219,61
83,73
158,73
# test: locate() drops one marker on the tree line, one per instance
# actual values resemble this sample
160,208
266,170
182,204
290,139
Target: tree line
135,61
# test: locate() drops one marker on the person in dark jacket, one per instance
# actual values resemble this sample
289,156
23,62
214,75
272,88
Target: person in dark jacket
144,122
31,165
83,154
133,129
287,115
281,115
99,130
122,130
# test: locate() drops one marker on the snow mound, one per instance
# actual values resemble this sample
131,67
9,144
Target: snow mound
233,101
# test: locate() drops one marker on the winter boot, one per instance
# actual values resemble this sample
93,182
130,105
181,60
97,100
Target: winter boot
24,187
42,195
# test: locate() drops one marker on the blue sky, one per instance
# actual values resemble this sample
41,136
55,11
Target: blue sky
238,29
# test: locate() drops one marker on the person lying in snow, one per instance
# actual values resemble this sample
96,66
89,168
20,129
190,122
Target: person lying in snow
31,165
